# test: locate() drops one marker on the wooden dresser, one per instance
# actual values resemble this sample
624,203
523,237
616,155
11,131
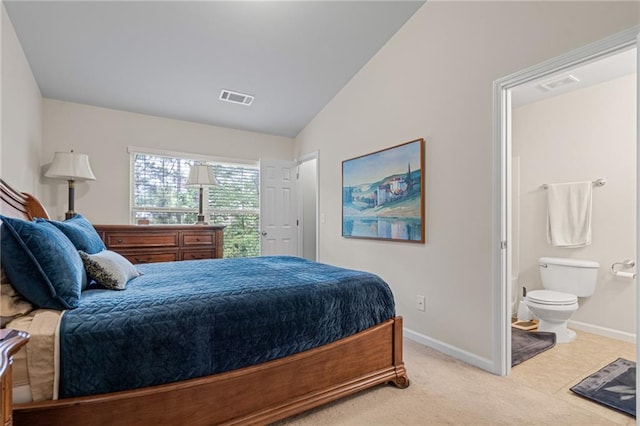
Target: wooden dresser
163,243
10,342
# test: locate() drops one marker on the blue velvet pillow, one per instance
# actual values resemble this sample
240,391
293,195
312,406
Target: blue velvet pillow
81,233
41,263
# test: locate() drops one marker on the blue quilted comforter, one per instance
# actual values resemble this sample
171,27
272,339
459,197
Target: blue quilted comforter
188,319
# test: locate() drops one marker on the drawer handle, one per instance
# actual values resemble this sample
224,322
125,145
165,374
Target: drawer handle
139,260
119,240
197,239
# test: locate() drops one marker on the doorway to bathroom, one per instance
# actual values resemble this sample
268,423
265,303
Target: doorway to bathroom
567,135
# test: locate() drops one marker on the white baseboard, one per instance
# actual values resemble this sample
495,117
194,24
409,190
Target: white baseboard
603,331
487,364
453,351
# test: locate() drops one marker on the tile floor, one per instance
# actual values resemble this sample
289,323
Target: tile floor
558,369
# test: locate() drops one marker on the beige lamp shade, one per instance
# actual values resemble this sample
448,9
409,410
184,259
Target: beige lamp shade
70,166
202,174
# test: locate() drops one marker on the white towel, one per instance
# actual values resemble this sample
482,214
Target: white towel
569,214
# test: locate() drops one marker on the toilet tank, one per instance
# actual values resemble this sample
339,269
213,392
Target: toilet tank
574,276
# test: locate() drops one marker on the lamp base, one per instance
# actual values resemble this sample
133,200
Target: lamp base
201,220
72,199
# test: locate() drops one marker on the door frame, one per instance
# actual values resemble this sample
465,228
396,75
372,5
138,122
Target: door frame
314,155
501,227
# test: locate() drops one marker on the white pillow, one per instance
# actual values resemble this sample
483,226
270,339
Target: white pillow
109,269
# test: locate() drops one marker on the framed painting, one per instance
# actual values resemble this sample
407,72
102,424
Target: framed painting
383,194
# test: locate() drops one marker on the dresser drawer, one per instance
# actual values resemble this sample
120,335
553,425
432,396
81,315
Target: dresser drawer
147,257
197,238
117,240
197,254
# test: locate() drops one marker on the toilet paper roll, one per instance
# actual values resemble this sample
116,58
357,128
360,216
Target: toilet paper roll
524,314
622,274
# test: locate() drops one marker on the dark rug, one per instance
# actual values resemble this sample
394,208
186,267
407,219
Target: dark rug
527,344
613,386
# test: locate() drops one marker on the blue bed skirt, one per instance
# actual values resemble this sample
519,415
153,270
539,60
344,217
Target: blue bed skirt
189,319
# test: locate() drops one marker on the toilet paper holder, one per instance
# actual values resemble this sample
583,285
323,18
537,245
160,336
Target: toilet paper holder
627,263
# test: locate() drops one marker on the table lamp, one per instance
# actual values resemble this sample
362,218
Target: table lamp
201,175
72,167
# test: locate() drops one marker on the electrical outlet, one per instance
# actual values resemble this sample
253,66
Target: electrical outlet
420,303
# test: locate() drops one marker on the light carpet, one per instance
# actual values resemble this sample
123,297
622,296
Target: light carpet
445,391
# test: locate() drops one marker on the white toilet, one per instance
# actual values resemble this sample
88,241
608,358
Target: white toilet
564,280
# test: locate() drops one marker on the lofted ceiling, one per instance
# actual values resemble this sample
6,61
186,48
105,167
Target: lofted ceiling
173,58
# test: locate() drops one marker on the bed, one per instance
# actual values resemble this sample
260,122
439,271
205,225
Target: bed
251,384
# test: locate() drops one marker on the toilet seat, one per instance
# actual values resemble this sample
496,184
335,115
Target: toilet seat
549,297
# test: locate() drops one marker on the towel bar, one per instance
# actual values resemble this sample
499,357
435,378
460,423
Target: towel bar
627,263
597,182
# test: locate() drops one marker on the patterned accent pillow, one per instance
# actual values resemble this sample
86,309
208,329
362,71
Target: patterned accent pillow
109,269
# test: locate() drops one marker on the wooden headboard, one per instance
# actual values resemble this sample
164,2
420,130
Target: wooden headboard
20,204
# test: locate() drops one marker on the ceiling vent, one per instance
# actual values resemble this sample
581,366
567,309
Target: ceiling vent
557,83
235,97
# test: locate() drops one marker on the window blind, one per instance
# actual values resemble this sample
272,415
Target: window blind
161,196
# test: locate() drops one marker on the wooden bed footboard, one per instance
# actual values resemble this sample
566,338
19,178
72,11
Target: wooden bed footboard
258,394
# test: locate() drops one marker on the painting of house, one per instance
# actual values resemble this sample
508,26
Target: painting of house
380,200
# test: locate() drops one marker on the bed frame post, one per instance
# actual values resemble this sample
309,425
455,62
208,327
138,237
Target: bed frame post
402,380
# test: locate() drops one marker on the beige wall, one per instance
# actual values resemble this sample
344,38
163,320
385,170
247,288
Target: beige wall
434,80
105,135
584,135
21,116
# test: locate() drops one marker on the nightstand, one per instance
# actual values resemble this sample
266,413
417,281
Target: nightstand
10,342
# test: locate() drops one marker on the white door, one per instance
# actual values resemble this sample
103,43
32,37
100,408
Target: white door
278,208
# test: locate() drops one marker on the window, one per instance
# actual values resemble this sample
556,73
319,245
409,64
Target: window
161,196
235,202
